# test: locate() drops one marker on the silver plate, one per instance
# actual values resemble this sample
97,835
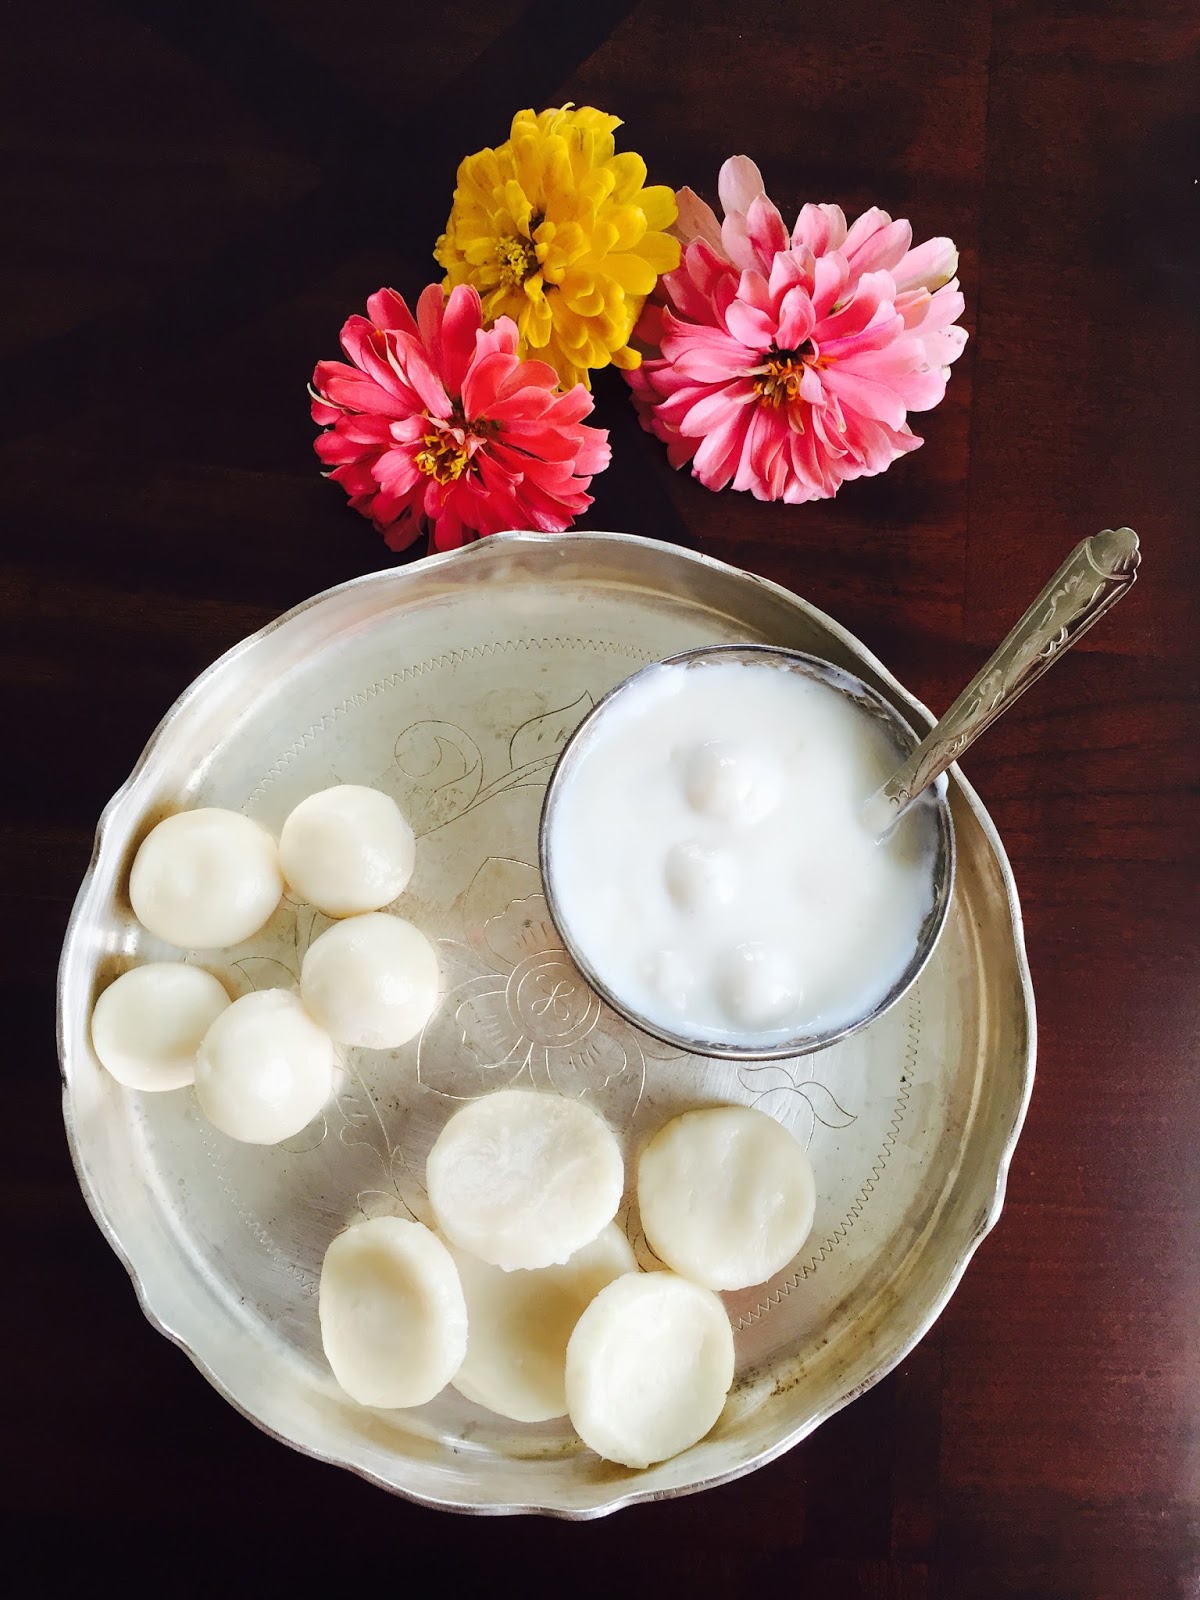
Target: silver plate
452,683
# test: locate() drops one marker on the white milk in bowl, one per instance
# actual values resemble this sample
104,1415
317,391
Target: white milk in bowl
708,862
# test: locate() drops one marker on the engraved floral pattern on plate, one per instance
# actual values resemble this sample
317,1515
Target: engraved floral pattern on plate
452,684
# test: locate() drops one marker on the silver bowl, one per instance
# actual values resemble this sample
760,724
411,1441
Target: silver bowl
904,740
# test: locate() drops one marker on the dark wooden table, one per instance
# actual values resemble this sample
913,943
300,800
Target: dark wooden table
195,195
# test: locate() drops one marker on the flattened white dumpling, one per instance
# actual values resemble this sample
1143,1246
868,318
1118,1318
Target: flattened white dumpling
205,879
393,1318
726,1196
648,1368
520,1322
347,849
371,981
264,1068
147,1026
522,1179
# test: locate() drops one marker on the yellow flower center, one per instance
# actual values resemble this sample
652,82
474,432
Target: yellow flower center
778,380
444,457
518,260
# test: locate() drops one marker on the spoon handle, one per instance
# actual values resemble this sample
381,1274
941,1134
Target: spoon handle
1091,580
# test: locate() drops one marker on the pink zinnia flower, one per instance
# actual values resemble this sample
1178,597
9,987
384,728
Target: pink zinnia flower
438,423
789,364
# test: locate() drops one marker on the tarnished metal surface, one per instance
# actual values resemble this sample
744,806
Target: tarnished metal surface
453,684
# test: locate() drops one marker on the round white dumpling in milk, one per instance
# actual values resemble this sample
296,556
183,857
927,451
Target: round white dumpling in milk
393,1319
730,783
520,1322
523,1179
699,877
371,981
726,1196
147,1026
648,1368
347,849
264,1068
205,879
671,977
756,985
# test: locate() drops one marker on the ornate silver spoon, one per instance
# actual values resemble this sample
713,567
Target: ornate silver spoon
1090,582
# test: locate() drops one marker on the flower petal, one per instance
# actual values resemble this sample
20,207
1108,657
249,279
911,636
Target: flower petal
750,326
739,184
633,272
356,433
831,278
766,232
717,405
929,312
399,535
862,228
865,395
927,266
796,320
483,382
704,354
821,228
356,478
431,307
459,326
753,288
880,250
717,458
763,429
944,345
696,220
790,269
872,291
351,390
366,345
414,366
884,329
396,472
387,309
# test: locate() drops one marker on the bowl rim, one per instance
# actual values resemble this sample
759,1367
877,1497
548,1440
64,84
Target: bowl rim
932,926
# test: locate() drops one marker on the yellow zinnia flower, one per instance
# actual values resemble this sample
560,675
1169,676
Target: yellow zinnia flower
558,232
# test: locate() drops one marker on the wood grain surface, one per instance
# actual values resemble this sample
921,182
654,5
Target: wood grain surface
195,195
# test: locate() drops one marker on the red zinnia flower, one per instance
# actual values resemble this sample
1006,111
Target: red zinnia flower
439,424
